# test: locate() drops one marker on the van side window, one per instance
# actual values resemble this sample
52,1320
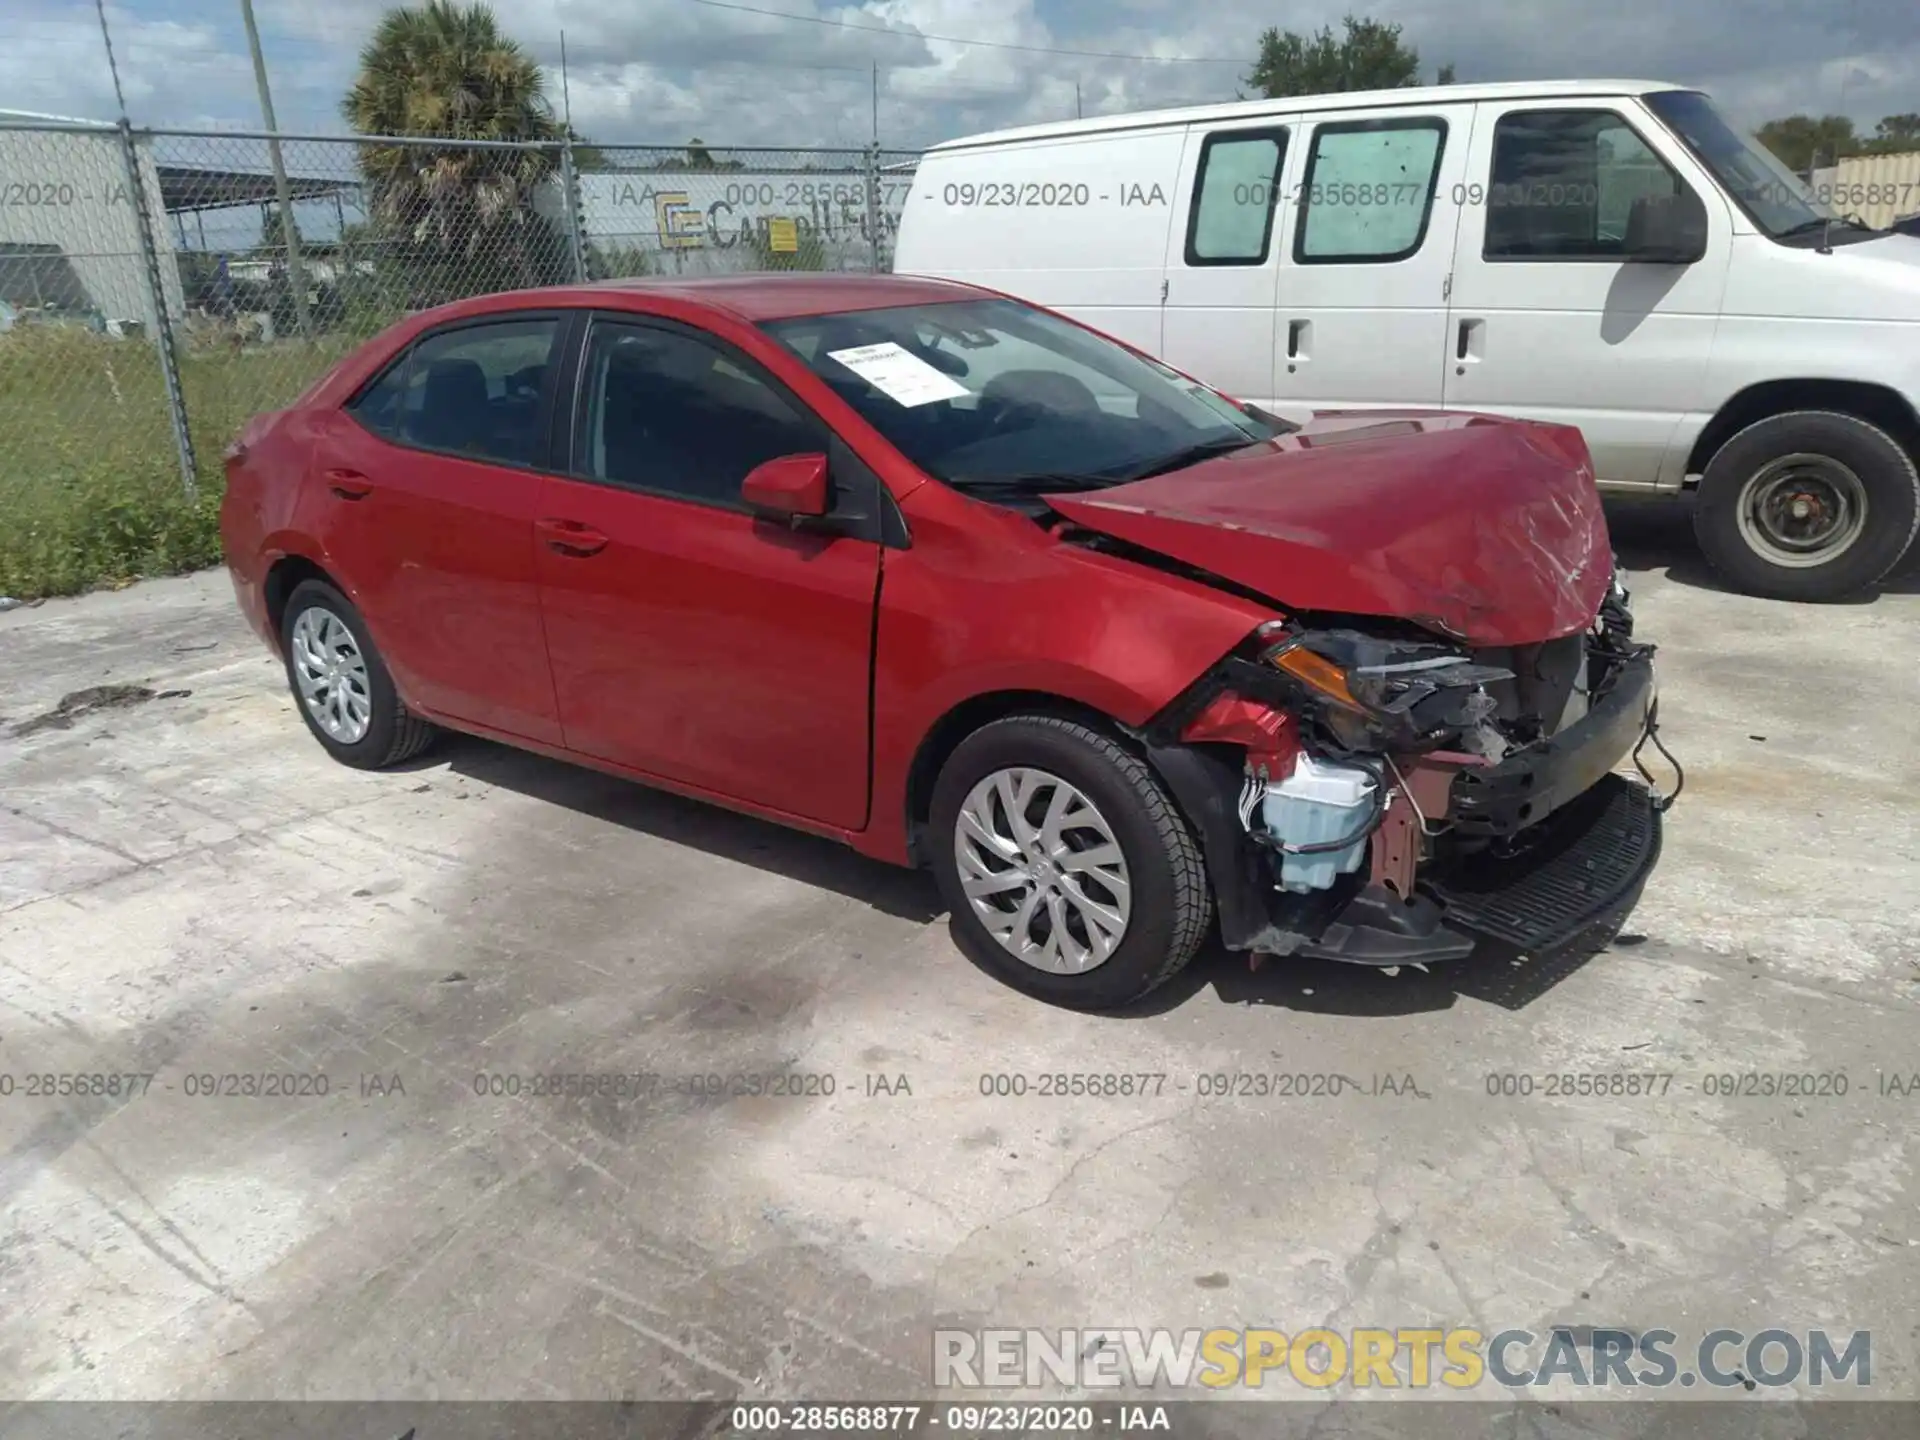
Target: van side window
1563,183
1368,190
1234,190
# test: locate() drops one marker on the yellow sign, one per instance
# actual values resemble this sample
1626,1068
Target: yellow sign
783,236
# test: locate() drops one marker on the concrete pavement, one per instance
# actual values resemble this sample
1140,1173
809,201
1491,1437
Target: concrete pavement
190,890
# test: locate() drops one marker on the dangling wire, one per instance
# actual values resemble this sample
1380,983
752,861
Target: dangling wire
1251,792
1661,803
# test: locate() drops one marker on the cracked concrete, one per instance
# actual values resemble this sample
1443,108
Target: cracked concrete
190,890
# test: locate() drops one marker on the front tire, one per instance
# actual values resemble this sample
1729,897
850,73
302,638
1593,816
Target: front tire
1809,505
340,684
1069,871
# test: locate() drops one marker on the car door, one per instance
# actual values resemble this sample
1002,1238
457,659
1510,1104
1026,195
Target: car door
426,489
1549,319
689,638
1362,301
1223,256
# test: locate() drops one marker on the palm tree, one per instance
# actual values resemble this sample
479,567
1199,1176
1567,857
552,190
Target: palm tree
447,70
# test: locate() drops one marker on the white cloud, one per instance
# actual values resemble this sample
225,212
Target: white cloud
55,62
664,70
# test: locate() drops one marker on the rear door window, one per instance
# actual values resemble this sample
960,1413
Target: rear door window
1235,190
1368,190
475,391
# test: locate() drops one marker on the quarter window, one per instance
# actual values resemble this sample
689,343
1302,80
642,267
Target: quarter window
663,411
475,391
1564,183
1234,194
1368,190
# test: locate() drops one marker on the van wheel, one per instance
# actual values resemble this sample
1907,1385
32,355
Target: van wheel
1810,505
341,684
1069,871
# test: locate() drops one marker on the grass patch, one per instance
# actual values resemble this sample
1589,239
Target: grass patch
90,490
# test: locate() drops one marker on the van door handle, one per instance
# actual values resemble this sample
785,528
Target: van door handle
1469,342
1299,337
349,484
570,537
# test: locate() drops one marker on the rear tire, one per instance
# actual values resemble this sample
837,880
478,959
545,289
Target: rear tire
1085,796
340,684
1809,505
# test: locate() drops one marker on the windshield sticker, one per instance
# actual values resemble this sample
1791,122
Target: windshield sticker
902,377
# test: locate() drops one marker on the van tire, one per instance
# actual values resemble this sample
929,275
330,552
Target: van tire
1849,463
1170,904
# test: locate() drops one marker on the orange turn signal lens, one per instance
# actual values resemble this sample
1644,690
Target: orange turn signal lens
1315,671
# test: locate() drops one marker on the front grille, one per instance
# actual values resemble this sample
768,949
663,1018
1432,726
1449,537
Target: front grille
1577,866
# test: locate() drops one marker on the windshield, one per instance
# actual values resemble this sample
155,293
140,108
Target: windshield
991,393
1775,199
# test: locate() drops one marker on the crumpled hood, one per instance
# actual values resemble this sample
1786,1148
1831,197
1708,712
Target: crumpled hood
1485,529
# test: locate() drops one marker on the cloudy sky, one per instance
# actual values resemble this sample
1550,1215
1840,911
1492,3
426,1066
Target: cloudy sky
665,70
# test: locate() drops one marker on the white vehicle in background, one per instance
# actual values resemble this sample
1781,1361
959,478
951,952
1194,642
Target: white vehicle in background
1611,255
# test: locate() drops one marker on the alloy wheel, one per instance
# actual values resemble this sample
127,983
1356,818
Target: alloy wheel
1042,869
331,674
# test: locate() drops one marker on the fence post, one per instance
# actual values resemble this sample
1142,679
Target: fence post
162,321
873,203
570,194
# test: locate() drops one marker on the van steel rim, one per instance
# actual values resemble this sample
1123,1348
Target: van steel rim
332,675
1802,510
1042,870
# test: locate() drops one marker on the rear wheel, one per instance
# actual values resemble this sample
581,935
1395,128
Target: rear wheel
341,684
1069,871
1810,505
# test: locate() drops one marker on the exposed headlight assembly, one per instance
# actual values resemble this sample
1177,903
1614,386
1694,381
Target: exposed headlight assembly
1375,694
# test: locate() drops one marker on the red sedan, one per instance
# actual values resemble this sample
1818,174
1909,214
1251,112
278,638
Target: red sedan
964,584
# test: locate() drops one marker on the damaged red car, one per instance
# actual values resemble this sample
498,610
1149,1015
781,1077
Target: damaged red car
965,584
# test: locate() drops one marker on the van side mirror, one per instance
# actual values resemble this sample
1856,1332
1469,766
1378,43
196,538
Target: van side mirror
1667,229
791,488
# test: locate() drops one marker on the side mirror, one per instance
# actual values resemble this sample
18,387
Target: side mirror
1667,229
791,488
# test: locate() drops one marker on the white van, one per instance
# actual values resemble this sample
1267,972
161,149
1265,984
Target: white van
1614,255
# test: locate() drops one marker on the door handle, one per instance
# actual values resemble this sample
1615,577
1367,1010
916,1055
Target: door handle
570,537
1468,343
1299,334
349,484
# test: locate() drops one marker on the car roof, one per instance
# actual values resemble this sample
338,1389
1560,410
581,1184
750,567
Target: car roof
771,296
1310,104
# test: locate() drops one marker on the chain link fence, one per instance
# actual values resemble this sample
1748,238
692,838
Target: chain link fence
157,288
89,398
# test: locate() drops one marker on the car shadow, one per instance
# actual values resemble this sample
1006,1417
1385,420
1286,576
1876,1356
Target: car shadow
1657,535
1490,975
824,864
